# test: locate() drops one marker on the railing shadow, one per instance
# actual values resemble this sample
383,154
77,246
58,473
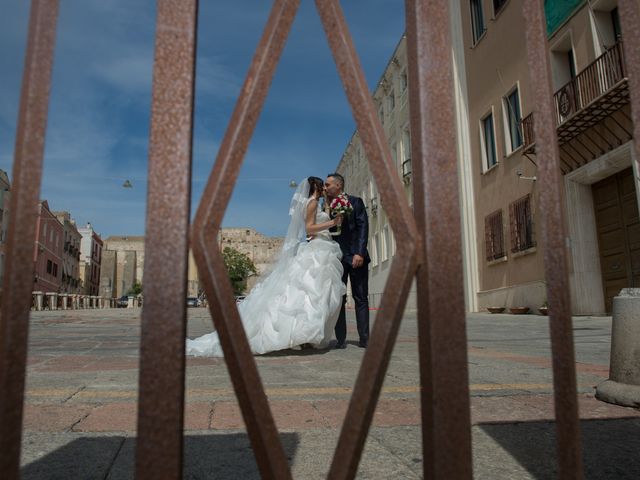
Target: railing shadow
220,456
610,448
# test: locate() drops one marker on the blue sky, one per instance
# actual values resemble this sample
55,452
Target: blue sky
101,94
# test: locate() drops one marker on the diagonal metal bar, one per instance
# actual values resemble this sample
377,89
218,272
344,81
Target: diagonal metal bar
446,423
376,360
261,427
18,276
630,19
555,247
162,362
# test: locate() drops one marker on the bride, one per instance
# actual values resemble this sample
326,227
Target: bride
299,301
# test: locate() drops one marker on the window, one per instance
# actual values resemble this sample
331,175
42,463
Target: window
374,250
563,65
512,116
521,223
488,142
406,154
55,270
477,20
386,244
606,22
381,113
49,266
404,81
391,100
494,236
497,6
615,25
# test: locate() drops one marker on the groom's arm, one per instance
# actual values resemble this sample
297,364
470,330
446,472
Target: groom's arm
362,227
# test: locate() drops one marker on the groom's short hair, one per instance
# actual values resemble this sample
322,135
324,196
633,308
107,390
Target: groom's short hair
338,177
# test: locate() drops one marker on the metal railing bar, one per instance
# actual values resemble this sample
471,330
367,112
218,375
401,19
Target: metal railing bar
159,443
629,20
18,275
376,359
266,443
569,449
441,307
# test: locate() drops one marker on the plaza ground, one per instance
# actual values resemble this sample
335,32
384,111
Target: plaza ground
81,400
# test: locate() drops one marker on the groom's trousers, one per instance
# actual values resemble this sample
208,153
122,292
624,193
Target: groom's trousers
359,279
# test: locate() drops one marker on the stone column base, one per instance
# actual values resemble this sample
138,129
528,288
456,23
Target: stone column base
619,393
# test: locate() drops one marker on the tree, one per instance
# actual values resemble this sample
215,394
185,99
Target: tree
239,267
136,289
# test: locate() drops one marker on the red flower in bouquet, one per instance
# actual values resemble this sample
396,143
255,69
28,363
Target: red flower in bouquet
340,206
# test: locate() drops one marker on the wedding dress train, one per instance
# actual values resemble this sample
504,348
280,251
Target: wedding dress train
297,303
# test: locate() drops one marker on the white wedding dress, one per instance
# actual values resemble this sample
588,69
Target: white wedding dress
297,303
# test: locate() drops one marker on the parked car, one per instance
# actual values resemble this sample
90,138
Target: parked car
193,302
240,298
123,301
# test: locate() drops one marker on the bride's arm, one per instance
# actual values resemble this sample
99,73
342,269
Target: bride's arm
310,219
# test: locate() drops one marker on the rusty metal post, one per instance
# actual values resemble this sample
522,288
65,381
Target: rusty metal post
162,363
267,447
630,22
446,423
18,277
555,245
376,359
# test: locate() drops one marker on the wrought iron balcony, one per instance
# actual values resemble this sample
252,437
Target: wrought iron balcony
595,93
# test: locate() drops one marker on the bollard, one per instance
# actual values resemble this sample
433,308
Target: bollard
52,300
63,298
623,385
38,300
130,300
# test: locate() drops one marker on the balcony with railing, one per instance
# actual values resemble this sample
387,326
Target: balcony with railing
595,93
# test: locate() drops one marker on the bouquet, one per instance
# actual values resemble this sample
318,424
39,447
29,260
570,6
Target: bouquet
340,206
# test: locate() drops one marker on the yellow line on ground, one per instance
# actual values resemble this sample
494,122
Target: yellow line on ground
283,391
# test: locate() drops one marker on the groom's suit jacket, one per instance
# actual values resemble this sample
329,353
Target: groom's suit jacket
355,232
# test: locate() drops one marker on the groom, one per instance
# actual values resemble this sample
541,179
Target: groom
355,258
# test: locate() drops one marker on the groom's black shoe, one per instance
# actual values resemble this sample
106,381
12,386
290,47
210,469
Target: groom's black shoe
363,343
341,345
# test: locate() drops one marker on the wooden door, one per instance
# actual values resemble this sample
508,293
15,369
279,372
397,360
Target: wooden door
618,226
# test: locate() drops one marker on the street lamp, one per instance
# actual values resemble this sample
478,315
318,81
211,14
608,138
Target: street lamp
293,184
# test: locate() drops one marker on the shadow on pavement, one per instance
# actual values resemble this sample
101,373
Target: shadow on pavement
610,447
225,456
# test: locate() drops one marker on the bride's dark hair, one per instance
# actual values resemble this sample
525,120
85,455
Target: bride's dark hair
315,184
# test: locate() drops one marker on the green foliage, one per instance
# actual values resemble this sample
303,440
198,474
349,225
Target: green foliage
239,267
136,289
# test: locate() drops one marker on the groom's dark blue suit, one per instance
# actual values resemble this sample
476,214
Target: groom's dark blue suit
353,241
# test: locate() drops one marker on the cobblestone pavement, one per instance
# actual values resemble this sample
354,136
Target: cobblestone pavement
81,400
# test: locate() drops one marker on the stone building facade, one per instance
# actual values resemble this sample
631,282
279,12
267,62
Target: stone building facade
497,163
124,265
90,260
593,124
70,281
47,251
123,259
391,98
262,250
